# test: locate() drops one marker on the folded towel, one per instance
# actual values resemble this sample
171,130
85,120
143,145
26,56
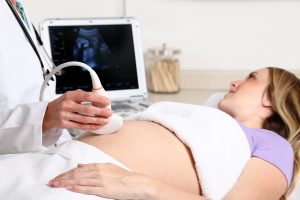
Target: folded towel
218,144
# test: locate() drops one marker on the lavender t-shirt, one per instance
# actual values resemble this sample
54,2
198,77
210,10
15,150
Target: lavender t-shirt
272,148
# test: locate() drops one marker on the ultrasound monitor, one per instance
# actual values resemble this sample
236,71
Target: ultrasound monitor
110,46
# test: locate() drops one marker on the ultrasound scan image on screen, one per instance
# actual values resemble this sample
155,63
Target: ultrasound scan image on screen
108,49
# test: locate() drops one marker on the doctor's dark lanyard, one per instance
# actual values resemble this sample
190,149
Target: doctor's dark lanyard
18,18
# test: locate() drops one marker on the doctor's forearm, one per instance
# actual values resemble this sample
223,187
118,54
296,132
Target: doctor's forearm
20,128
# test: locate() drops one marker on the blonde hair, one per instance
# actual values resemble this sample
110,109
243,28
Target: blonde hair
284,93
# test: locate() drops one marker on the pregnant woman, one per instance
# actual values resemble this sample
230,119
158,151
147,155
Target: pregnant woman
267,107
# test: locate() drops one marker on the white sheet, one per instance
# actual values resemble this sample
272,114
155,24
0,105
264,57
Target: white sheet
25,176
219,146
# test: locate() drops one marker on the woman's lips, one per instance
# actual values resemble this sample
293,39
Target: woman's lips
230,93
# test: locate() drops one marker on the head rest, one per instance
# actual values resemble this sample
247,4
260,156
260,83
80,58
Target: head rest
214,99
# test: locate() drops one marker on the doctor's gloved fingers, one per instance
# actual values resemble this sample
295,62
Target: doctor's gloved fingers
89,110
84,119
82,96
77,125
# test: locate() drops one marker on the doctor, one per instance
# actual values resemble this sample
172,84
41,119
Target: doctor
25,123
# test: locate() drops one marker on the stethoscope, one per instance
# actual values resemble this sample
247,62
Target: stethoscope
27,34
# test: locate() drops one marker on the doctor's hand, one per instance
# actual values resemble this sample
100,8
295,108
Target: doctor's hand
68,112
105,180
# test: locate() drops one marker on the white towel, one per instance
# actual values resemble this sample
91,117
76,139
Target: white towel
219,146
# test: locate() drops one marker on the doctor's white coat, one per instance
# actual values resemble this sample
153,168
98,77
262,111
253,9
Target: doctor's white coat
21,113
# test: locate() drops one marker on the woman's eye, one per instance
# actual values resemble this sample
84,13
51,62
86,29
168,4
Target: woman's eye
250,76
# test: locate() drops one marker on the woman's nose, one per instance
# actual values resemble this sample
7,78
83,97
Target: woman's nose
234,85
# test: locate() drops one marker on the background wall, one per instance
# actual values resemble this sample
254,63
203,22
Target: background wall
41,9
213,34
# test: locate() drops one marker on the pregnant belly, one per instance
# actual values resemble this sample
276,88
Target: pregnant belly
150,149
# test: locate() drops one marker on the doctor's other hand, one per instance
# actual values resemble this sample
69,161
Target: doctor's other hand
68,112
105,180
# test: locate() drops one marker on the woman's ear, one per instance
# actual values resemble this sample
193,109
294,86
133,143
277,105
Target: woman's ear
266,101
267,105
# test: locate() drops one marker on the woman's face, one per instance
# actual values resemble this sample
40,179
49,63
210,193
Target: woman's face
247,97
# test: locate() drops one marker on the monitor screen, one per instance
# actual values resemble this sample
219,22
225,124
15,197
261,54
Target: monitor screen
108,49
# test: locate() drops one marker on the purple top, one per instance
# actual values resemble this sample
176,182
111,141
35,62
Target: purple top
272,148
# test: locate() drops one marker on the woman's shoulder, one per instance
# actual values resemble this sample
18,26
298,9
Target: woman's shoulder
270,139
274,149
262,138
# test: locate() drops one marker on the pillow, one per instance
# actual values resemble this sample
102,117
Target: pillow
214,99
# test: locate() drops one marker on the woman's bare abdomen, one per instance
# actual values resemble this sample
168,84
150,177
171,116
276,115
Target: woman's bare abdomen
149,148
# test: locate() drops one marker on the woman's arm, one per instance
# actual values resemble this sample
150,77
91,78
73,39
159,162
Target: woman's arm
111,181
165,192
259,180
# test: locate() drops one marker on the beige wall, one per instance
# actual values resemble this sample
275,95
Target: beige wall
223,34
213,79
213,34
41,9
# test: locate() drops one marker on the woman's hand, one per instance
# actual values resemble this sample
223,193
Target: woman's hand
68,112
105,180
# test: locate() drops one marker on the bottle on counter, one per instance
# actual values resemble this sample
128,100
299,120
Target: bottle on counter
163,70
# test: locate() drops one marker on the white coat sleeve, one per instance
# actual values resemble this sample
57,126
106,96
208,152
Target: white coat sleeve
21,129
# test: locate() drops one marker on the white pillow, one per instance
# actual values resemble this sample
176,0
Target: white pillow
214,99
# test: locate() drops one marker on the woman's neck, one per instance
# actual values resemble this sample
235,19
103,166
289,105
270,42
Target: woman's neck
254,122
